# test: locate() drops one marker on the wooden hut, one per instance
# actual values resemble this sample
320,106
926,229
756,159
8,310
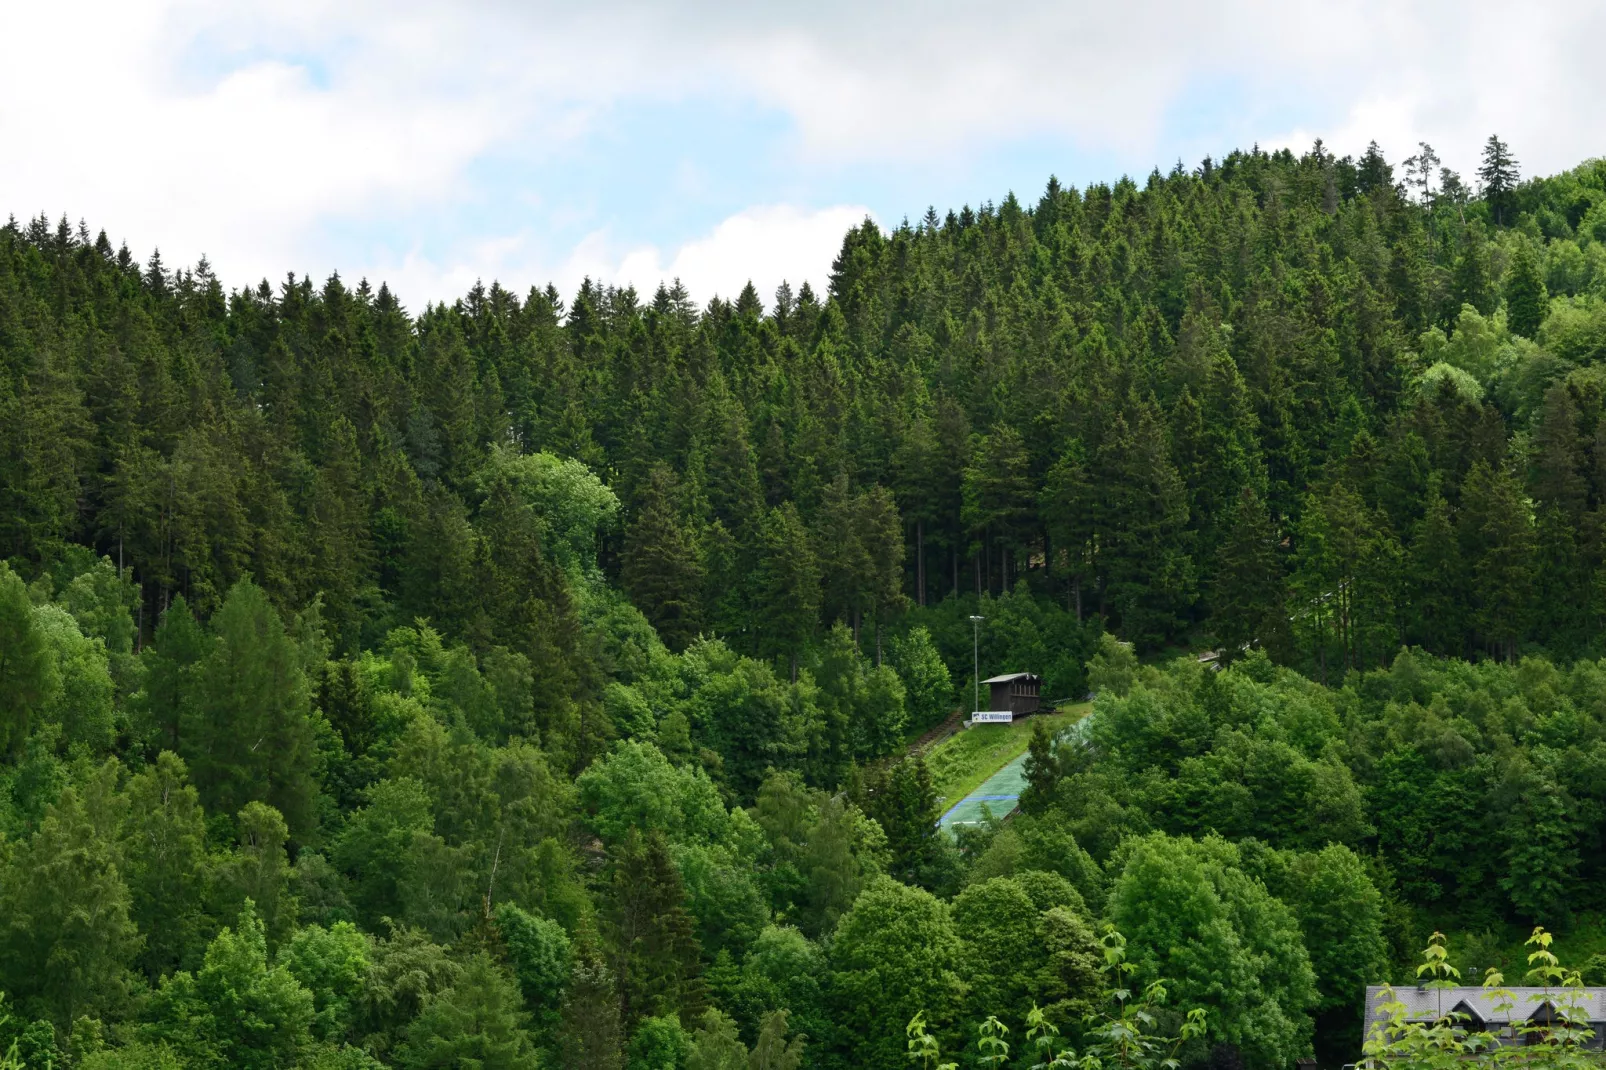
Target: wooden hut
1018,693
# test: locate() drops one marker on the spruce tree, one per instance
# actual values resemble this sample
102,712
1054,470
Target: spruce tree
1247,602
1498,173
1559,467
1526,297
1435,580
787,584
248,736
662,572
900,797
881,532
591,1034
656,953
998,501
171,675
477,1022
842,554
1066,505
1472,283
1497,535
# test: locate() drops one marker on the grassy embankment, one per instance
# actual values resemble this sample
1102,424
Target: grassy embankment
962,762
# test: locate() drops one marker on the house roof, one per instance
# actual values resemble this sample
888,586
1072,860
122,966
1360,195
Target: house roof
1010,677
1428,1003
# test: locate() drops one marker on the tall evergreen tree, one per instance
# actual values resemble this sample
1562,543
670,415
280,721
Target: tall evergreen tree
170,675
1526,295
1559,468
249,733
1473,282
1497,539
787,583
998,501
1435,580
1248,597
662,571
1498,174
656,953
900,797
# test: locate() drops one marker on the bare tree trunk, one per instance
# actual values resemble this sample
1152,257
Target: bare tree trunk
920,561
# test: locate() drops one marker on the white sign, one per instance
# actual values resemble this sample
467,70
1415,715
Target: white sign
992,717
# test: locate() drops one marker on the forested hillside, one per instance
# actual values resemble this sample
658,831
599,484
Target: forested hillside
530,679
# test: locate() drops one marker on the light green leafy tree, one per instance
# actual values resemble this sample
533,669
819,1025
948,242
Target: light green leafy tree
237,1010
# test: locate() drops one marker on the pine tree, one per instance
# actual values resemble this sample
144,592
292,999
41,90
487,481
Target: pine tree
170,675
1420,171
1497,538
1498,173
1559,470
661,571
1472,283
477,1022
249,733
591,1033
786,584
1435,579
656,953
1526,298
1247,603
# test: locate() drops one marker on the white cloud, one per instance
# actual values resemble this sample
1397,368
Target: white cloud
764,245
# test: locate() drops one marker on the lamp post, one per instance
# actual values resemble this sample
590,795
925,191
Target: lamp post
975,636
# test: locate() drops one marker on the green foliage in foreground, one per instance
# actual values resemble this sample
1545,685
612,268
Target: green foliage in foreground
1399,1043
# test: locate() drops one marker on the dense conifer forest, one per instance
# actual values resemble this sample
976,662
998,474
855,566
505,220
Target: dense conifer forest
534,680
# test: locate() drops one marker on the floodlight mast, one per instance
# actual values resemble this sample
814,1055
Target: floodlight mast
975,635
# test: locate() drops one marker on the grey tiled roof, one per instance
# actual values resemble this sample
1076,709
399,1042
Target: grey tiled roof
1429,1003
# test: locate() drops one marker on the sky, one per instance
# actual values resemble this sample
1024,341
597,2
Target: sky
431,145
